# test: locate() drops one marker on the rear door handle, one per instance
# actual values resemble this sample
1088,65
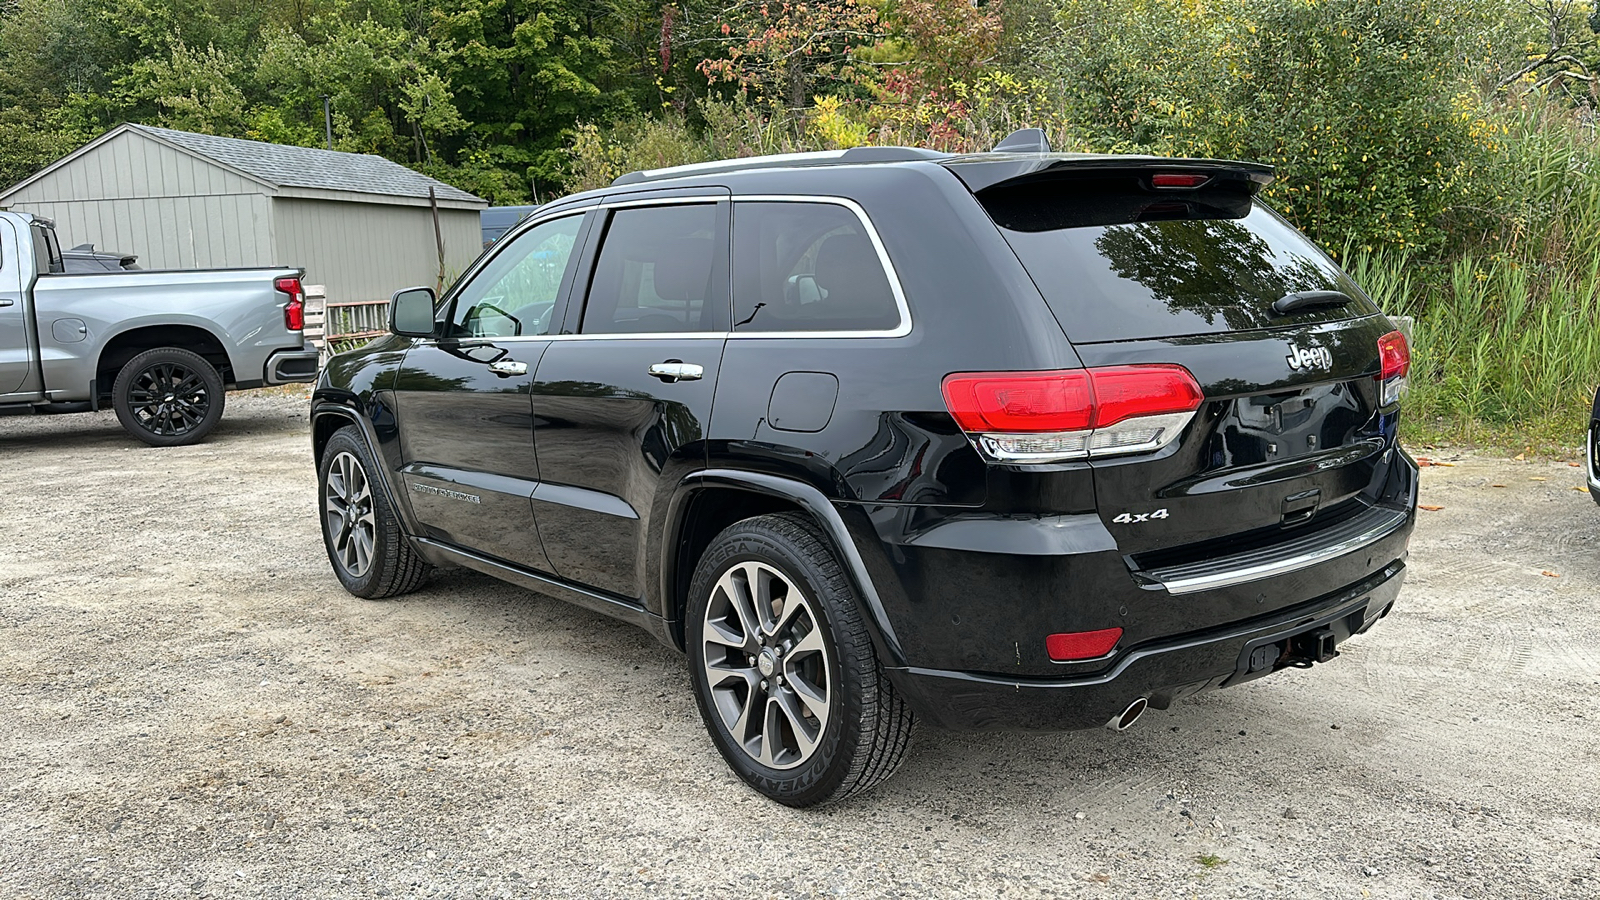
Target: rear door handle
507,367
673,370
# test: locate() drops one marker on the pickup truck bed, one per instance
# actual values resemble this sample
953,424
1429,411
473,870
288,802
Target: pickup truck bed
160,347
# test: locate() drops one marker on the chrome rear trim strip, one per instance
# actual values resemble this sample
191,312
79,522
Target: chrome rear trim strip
1292,556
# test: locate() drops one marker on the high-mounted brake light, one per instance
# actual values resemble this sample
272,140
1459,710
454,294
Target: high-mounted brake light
294,312
1075,645
1394,359
1072,413
1176,180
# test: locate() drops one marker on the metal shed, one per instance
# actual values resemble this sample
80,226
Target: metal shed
360,225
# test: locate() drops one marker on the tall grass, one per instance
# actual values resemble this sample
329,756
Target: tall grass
1506,342
1500,350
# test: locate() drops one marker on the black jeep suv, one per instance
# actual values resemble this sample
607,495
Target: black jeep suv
1007,440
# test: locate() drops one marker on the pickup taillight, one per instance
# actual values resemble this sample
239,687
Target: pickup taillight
294,312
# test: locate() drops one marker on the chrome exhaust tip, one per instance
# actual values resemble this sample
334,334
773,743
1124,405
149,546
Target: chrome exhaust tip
1124,720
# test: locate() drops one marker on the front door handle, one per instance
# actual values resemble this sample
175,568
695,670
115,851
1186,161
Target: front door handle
505,368
8,302
673,371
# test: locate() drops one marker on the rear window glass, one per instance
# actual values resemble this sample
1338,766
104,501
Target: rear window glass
1117,264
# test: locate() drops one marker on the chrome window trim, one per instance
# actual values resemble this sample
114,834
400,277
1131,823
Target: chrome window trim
901,330
630,336
665,201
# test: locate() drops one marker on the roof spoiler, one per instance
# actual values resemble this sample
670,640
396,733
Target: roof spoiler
982,171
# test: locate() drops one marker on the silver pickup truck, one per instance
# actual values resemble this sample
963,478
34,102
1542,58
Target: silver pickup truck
158,347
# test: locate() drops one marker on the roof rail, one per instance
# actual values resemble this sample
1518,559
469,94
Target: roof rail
784,160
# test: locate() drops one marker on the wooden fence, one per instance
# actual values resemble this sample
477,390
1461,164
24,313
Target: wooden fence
331,323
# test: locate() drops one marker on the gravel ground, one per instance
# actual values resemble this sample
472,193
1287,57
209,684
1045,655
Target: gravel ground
193,707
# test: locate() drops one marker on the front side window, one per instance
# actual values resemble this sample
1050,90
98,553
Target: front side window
657,273
516,293
807,267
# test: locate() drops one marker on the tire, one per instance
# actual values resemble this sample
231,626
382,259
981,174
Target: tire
831,723
369,553
168,397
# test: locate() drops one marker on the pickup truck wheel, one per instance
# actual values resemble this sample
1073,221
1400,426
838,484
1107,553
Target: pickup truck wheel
783,667
369,552
168,397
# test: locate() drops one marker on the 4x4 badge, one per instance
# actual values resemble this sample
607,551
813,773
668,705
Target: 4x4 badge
1133,518
1303,358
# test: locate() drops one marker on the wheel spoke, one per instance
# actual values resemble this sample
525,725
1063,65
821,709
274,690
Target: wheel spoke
359,489
718,633
363,548
793,604
814,698
741,726
805,734
771,731
720,675
811,643
760,580
738,599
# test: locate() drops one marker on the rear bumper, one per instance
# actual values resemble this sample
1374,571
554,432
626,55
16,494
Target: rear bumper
287,366
1161,671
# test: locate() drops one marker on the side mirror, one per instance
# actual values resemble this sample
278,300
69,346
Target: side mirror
411,312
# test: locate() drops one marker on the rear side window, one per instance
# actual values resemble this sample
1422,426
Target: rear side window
807,267
48,251
656,272
1116,262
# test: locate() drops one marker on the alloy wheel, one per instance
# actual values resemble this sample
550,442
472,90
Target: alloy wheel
767,665
347,505
169,399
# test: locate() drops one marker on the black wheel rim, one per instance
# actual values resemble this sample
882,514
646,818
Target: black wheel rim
347,509
767,665
169,399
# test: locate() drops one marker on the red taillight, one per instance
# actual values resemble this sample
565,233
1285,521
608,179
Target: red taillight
1021,402
1127,392
1394,360
1076,645
1395,355
1073,413
294,312
1175,180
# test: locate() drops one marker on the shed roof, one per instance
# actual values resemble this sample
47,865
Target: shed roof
291,171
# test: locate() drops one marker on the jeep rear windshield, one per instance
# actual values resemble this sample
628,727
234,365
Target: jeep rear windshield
1118,261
